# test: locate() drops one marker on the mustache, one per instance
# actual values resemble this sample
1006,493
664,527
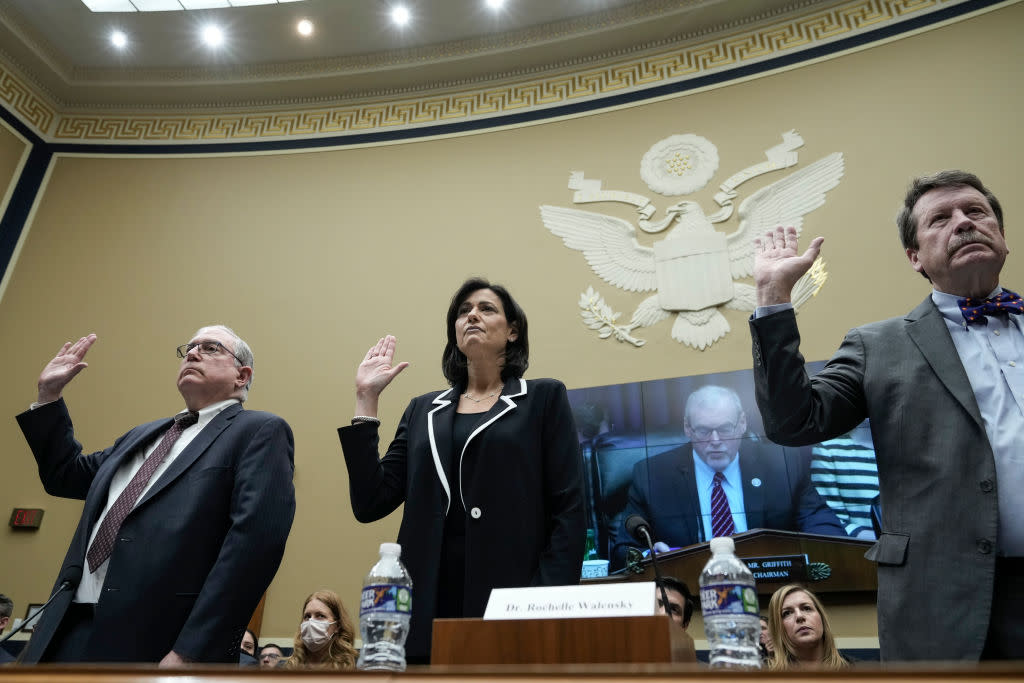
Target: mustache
962,239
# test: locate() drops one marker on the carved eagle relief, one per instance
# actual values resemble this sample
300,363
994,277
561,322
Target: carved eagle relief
693,270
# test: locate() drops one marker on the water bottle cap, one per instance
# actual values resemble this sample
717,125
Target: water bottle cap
394,549
722,544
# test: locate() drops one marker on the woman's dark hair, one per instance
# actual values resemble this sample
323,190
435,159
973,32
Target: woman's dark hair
517,353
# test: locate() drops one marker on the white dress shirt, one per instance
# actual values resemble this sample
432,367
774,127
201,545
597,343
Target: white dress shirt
92,582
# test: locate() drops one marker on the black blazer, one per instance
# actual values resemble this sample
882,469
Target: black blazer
523,493
196,553
777,494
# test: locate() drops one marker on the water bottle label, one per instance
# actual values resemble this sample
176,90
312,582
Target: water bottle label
728,598
386,598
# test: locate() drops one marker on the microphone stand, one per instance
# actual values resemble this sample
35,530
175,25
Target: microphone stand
65,585
642,530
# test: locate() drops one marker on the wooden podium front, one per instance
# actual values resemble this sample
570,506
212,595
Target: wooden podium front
849,570
590,640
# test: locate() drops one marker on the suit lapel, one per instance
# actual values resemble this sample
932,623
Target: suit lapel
194,449
439,433
753,495
927,329
693,519
514,388
440,424
137,442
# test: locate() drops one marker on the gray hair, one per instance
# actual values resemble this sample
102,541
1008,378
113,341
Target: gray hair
243,354
712,394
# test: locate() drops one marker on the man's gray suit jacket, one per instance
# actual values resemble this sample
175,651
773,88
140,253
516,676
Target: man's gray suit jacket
936,554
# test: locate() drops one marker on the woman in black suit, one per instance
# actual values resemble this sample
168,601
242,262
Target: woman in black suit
489,470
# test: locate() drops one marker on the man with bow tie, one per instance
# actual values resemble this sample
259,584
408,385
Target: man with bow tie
185,519
944,388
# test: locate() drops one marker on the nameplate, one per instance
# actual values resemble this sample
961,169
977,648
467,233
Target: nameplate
633,599
778,568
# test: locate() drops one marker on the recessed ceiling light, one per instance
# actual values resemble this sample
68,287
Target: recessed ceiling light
400,15
495,4
118,39
212,35
171,5
305,27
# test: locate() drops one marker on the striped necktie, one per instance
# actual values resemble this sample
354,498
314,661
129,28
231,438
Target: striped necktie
721,514
103,544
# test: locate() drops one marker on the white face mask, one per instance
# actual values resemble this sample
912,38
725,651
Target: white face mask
314,633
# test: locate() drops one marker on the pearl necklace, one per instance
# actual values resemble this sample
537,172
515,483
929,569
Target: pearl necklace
482,398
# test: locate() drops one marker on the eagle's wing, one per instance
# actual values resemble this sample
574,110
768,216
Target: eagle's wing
609,245
782,203
649,312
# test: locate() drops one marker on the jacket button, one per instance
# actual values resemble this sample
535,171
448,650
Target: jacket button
475,513
984,546
986,485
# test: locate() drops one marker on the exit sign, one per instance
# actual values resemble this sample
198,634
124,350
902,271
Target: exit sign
26,518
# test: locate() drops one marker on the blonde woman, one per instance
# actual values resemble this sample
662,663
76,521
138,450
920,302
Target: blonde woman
800,632
325,635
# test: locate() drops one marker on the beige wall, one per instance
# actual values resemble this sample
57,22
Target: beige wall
313,256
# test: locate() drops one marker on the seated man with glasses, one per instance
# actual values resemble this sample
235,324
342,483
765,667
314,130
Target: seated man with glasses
722,482
185,519
270,656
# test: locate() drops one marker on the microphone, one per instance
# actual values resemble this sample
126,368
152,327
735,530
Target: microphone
69,583
72,577
639,529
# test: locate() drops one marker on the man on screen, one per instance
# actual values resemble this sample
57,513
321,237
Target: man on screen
721,483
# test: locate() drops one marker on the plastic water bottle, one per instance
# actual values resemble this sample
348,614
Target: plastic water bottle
728,602
384,612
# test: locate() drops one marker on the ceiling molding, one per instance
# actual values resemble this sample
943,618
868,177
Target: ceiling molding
576,81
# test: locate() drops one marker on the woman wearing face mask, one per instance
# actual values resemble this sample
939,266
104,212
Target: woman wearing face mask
800,631
325,635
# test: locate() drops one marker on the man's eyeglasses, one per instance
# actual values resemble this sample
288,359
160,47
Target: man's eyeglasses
726,431
270,655
207,348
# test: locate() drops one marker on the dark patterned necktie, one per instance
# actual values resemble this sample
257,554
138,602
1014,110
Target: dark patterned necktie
721,514
103,544
975,310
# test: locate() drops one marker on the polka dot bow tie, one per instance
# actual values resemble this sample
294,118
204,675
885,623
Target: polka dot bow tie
975,310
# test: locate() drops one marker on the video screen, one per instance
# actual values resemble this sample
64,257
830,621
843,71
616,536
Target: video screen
689,454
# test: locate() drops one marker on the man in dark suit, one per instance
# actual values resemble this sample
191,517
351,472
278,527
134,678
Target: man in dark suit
184,522
721,483
944,389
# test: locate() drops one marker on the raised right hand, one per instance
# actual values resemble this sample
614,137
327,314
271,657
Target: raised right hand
62,369
777,265
375,373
